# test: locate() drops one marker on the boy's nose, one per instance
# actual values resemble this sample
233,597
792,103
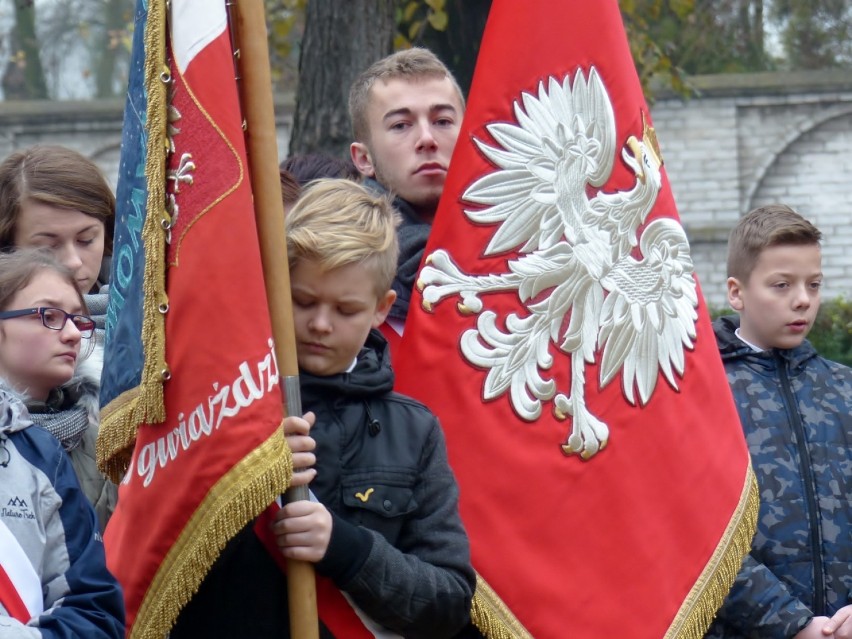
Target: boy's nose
426,141
803,297
320,323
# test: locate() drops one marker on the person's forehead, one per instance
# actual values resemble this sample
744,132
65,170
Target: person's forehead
422,93
49,288
38,216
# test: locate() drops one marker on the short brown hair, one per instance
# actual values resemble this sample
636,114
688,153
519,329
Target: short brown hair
18,268
761,228
412,64
338,222
290,189
54,176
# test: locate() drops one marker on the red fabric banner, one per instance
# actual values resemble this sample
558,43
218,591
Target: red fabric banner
336,613
562,340
219,458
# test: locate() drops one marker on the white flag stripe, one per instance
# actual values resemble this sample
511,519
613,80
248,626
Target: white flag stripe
195,24
20,571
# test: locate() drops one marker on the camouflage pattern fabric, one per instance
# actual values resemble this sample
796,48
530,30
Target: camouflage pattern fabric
796,412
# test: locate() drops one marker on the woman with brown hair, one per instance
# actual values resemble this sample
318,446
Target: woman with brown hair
54,198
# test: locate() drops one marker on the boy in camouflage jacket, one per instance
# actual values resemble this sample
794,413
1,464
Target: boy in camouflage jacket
796,412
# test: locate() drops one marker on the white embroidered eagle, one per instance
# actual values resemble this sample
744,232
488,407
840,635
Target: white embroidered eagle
576,262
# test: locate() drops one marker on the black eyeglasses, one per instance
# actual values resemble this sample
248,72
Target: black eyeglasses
55,318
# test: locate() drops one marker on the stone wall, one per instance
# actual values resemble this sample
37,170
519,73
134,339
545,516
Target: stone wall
747,140
92,128
755,139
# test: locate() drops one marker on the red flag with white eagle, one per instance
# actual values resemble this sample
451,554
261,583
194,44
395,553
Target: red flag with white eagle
560,335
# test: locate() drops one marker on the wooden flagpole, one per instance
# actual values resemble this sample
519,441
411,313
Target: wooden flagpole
262,148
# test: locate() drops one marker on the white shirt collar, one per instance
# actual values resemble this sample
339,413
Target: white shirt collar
756,349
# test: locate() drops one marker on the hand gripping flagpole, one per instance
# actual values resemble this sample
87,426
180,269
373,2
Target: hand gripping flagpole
262,148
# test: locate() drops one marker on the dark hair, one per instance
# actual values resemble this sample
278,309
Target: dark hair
307,167
55,176
290,188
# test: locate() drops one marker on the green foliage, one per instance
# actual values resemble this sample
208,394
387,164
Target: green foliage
831,334
414,17
646,23
674,38
285,20
832,331
815,34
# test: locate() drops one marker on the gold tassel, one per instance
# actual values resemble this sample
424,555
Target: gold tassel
236,499
492,617
144,404
706,597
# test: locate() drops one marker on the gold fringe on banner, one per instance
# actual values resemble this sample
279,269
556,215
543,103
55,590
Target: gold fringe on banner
144,404
492,617
239,496
706,597
495,621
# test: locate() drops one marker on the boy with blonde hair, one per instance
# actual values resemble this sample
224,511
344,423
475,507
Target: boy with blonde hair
385,525
796,412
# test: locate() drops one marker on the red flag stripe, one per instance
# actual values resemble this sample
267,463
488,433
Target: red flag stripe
11,600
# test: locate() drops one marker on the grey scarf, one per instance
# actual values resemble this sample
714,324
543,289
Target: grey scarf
67,426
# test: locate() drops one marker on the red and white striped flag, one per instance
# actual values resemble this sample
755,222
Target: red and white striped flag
187,261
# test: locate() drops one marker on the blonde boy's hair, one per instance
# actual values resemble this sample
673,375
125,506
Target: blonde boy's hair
413,64
338,222
762,228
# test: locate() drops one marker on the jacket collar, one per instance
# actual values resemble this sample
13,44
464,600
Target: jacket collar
732,347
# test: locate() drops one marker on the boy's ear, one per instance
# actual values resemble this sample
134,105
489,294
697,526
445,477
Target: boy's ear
361,158
383,307
735,294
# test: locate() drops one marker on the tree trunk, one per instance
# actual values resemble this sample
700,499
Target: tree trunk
458,45
341,40
23,78
108,52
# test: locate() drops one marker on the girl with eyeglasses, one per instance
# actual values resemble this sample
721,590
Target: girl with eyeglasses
53,575
46,357
53,197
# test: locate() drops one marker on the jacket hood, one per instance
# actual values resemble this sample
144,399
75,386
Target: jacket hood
13,414
732,347
372,374
412,234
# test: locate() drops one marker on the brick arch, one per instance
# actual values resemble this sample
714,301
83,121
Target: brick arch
801,130
810,175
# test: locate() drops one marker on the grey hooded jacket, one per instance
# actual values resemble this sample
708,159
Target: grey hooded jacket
43,507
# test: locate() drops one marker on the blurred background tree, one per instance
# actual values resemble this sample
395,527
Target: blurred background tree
64,49
72,49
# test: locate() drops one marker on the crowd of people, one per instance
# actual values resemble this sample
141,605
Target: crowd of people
356,232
